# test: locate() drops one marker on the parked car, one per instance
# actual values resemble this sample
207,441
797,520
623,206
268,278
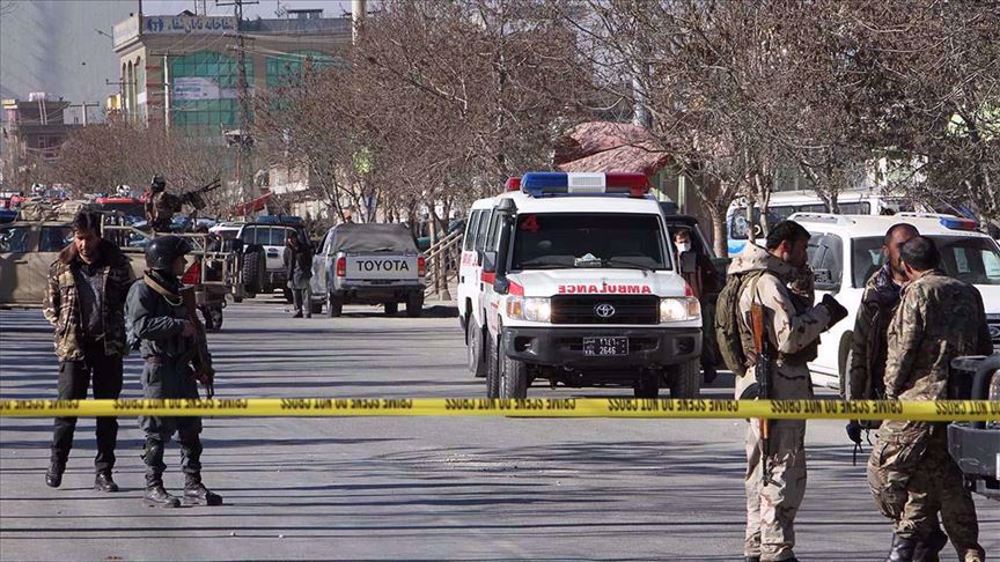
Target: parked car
368,264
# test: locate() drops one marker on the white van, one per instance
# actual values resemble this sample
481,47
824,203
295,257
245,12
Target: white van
845,251
571,279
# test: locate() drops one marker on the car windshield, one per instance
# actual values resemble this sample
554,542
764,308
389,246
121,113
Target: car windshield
973,260
14,239
739,226
578,240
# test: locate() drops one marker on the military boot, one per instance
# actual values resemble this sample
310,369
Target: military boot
902,549
53,476
195,493
156,496
103,482
927,550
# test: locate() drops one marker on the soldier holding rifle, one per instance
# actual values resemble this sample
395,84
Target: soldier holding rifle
785,337
161,206
162,324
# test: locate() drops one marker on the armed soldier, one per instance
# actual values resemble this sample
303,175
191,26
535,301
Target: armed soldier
776,463
85,303
161,206
169,341
911,474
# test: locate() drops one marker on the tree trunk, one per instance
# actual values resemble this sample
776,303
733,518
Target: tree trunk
719,235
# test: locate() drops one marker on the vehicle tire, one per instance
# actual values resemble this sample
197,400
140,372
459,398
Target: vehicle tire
474,335
647,386
414,305
391,308
492,366
253,270
513,374
685,380
334,305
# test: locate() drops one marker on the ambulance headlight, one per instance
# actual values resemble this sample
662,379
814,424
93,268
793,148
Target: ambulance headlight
678,309
532,309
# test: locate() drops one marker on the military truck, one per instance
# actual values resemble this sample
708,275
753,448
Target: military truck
975,446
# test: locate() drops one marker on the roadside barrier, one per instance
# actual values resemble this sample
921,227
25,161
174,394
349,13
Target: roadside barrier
939,411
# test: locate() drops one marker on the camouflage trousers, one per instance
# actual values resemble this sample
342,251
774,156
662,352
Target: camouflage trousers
912,482
771,507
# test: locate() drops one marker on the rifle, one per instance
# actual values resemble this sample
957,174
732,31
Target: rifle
202,361
193,197
762,373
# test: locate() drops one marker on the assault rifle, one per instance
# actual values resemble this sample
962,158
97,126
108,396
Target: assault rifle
202,361
762,373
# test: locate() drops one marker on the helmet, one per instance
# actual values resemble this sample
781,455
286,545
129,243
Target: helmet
162,251
158,183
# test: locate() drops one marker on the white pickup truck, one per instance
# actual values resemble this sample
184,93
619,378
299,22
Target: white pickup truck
368,264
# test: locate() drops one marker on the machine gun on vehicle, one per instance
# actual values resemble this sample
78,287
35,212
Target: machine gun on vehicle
194,197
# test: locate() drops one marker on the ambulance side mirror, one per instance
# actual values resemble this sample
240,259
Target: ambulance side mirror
689,262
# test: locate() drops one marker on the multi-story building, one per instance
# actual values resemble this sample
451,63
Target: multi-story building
184,70
34,132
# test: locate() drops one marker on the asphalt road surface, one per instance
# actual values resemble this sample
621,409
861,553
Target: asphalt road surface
407,488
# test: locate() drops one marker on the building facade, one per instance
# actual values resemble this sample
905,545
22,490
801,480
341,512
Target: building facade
184,70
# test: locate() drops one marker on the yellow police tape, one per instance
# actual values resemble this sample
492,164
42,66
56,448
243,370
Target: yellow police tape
943,410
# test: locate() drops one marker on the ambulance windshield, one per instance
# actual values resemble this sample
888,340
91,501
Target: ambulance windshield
588,240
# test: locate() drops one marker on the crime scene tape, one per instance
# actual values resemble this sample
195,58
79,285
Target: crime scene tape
940,411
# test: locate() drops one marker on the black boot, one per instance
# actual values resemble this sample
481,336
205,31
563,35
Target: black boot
53,476
156,496
927,550
195,493
103,482
902,549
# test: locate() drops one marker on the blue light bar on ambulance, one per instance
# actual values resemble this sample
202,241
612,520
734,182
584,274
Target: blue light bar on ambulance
956,223
539,184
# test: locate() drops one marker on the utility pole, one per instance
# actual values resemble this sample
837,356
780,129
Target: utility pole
358,8
244,173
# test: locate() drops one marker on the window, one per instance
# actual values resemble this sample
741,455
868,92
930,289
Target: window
470,232
54,238
567,240
203,91
867,258
484,224
286,69
825,251
973,260
855,208
14,239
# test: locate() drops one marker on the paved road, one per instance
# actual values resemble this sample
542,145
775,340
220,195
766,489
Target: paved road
407,489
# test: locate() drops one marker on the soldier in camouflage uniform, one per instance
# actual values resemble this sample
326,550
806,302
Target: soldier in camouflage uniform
157,320
85,302
161,206
911,474
793,326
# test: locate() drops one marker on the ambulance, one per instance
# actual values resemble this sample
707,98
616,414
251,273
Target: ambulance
570,278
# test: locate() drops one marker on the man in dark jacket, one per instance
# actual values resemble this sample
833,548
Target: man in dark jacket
157,320
85,303
704,282
298,267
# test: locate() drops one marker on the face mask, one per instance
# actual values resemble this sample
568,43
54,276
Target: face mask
683,247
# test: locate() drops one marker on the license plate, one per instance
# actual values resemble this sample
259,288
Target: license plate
605,347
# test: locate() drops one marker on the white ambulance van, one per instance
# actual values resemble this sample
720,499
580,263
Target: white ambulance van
570,278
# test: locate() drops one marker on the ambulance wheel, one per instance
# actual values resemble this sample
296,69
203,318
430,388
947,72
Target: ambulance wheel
492,368
513,374
474,335
391,308
685,380
647,386
334,306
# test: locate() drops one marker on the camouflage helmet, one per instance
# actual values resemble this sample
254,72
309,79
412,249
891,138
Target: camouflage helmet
158,183
162,251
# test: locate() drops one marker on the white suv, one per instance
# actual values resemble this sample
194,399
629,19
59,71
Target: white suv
571,278
845,250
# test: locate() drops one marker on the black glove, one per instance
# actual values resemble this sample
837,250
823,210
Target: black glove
854,432
837,312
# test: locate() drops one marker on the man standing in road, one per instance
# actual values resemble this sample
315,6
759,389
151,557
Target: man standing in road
157,320
298,266
792,329
911,473
85,303
705,284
